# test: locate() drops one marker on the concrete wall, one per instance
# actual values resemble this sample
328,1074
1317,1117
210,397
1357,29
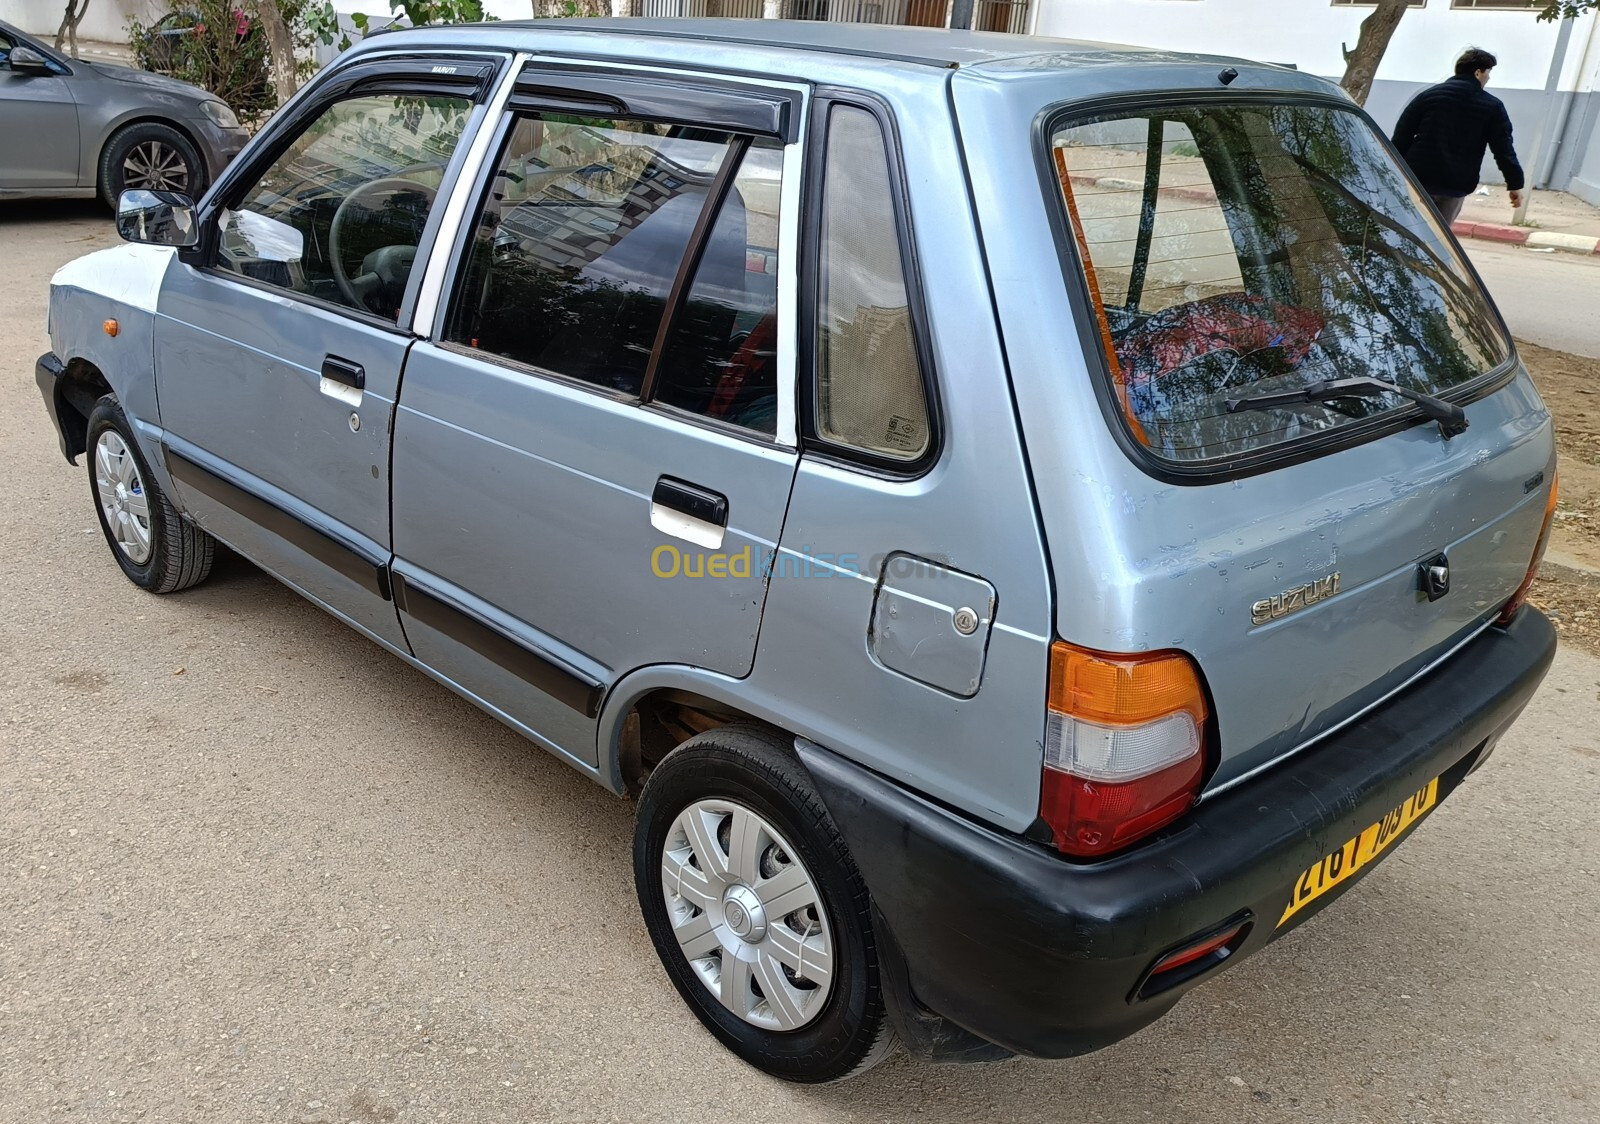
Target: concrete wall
104,19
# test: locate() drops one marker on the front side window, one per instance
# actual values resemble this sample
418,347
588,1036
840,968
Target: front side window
339,214
576,250
1237,251
869,389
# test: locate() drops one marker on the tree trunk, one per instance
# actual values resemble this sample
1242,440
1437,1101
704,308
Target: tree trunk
280,48
1361,64
70,19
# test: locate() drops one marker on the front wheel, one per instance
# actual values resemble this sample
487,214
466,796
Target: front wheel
155,547
756,908
153,157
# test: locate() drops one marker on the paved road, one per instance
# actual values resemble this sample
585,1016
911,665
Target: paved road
253,868
1550,299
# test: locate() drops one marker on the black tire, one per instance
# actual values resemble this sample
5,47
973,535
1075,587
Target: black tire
755,768
180,554
113,174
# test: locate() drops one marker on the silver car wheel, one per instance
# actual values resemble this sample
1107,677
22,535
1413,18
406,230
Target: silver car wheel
154,166
747,915
122,497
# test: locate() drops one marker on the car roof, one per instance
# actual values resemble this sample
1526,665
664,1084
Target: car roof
934,46
939,47
875,56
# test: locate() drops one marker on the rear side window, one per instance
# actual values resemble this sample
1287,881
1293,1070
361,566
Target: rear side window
577,248
1235,251
869,388
721,358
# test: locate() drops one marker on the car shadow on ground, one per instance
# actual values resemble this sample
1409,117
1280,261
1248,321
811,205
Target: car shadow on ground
53,211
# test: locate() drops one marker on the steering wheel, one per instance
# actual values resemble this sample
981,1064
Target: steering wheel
385,268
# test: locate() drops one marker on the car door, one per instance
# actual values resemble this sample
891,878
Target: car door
38,126
279,348
593,457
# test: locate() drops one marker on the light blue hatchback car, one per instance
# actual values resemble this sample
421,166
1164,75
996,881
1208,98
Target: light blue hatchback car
1032,522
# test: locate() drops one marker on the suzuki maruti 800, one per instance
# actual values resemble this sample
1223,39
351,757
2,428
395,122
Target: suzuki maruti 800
1031,521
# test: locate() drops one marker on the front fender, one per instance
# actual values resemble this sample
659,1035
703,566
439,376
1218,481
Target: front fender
121,284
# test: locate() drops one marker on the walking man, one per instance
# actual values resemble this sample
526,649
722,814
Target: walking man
1443,132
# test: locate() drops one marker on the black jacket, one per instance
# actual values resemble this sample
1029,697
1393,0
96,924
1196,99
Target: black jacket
1443,132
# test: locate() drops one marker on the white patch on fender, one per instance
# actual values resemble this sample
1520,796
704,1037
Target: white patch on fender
129,274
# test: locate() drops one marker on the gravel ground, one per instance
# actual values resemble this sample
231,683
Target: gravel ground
253,868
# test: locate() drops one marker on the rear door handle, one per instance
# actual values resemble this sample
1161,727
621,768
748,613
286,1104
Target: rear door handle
688,511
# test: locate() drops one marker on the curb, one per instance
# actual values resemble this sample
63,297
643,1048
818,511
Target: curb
1482,231
1523,236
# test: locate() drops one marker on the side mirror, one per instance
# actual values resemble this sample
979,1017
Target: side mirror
26,60
160,218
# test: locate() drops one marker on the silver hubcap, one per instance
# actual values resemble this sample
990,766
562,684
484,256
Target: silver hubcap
154,166
747,915
122,497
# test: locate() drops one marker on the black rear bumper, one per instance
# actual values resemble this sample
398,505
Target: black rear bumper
1043,956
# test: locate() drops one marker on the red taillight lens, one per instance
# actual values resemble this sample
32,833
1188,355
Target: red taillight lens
1124,746
1521,595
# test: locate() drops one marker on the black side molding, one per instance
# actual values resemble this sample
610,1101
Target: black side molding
562,683
370,573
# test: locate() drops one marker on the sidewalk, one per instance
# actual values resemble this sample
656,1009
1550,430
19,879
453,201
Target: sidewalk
93,50
1558,221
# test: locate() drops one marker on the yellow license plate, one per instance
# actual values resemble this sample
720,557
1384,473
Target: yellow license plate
1341,865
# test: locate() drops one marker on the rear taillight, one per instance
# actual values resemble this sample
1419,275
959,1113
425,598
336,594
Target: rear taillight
1124,749
1521,594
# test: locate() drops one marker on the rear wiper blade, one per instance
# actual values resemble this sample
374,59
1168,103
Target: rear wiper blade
1452,419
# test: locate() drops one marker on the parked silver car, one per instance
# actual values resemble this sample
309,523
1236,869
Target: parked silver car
75,128
1031,521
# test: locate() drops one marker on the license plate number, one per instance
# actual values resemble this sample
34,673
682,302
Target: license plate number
1342,865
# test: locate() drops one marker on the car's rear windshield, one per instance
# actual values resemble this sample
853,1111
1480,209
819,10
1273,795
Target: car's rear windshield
1233,250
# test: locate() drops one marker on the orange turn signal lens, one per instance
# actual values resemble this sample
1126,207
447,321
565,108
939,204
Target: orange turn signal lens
1122,690
111,327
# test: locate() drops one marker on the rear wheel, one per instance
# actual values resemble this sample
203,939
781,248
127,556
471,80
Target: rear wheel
155,547
152,157
757,910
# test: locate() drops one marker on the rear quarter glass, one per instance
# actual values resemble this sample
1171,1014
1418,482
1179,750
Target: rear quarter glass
1234,249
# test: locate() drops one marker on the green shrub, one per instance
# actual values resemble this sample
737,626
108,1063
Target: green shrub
226,53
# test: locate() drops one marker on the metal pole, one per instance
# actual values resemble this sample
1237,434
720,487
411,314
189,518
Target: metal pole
1552,92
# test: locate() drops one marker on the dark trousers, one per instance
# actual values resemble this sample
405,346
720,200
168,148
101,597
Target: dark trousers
1449,206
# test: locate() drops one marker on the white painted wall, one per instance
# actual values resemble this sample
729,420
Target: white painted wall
104,20
1308,33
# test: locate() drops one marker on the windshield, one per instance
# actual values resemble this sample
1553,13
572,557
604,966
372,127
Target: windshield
1233,250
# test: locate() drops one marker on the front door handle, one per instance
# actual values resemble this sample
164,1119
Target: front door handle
353,375
688,511
342,380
